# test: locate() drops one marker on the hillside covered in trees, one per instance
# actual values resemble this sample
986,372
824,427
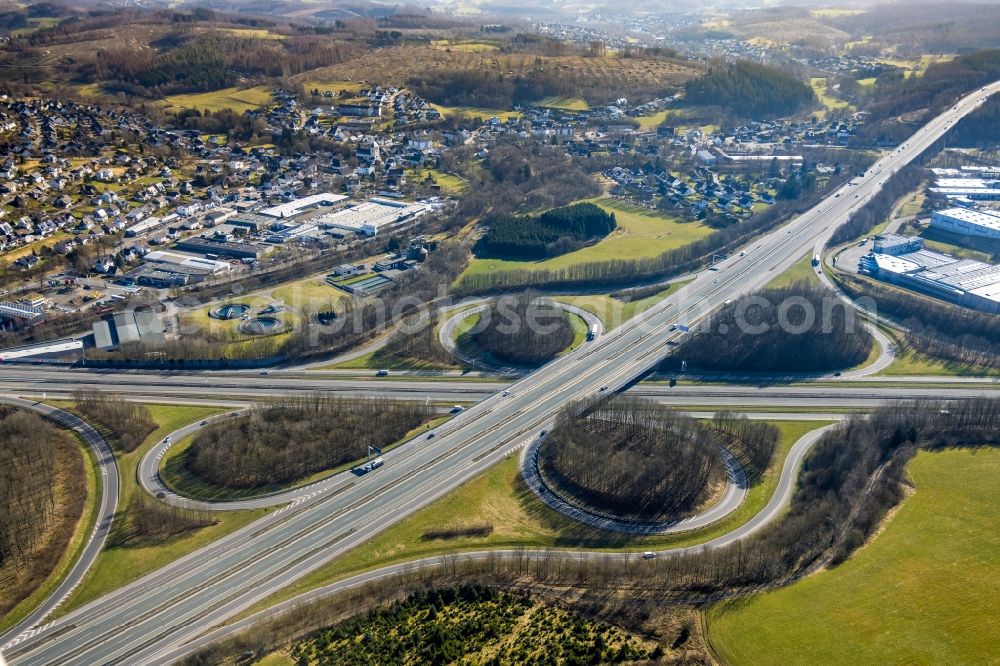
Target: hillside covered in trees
751,90
936,328
633,459
523,330
799,328
286,440
44,489
552,233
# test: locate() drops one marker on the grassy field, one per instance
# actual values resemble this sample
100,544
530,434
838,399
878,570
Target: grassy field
918,66
252,33
909,363
564,103
612,311
474,111
801,271
640,234
116,566
925,591
830,103
450,183
648,123
312,294
83,528
467,47
500,498
227,98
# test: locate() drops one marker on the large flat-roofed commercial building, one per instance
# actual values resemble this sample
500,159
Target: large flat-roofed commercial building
968,222
977,189
895,244
187,261
164,270
220,248
299,206
965,282
372,216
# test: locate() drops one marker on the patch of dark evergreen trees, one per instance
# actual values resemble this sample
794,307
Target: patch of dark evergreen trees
552,233
750,90
799,328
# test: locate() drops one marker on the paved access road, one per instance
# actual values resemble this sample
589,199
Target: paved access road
733,495
775,507
447,335
106,508
149,620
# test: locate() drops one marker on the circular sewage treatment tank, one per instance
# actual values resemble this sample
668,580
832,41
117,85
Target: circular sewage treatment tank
261,326
230,311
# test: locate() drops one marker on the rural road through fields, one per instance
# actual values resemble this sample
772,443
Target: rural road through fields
107,505
774,508
143,622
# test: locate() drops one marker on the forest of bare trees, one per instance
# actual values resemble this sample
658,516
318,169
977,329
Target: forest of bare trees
288,439
524,330
130,422
752,442
632,458
799,328
849,482
935,328
147,521
28,474
43,495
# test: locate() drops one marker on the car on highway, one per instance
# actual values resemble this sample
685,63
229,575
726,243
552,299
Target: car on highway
431,435
382,373
204,423
648,555
542,433
505,394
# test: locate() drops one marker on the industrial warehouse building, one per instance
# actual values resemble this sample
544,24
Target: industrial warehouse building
372,216
985,224
128,327
965,282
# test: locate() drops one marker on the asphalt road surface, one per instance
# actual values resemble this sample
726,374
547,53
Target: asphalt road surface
150,620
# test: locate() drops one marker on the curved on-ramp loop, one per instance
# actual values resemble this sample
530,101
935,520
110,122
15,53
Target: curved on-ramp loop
775,507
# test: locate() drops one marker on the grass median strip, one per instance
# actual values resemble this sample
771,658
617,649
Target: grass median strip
516,518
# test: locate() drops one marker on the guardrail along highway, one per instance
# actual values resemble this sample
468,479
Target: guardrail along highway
144,622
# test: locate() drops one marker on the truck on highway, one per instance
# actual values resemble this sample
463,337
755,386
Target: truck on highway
592,332
816,260
373,464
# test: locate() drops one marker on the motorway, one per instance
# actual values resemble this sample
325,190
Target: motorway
772,510
54,382
150,620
